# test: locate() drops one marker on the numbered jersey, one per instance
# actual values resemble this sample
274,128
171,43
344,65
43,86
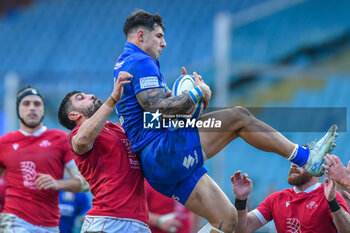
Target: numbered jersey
24,157
114,173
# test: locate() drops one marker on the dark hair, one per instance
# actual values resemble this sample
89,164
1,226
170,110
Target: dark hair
65,108
141,18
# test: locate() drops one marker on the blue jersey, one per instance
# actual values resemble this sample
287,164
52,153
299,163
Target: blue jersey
171,159
72,205
146,75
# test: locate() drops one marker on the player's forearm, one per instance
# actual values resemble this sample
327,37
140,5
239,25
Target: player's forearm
175,105
153,219
155,99
72,185
341,220
242,223
91,128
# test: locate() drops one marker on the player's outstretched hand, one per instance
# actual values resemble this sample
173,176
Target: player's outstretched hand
241,186
45,181
336,169
198,81
329,189
123,78
183,70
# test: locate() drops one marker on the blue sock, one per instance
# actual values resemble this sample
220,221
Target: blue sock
302,156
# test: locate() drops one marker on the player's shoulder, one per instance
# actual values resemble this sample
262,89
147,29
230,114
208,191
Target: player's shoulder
57,132
142,61
9,136
279,194
115,126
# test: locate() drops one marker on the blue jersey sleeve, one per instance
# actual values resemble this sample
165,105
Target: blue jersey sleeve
146,74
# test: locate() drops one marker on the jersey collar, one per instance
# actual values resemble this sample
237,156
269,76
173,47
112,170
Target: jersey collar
309,189
36,133
130,45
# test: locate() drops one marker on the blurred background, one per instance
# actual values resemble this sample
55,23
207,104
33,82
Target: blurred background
286,60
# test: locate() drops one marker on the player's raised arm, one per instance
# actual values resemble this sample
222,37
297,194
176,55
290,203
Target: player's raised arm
91,127
341,217
242,186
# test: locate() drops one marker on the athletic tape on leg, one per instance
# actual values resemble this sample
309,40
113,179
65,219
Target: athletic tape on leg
208,227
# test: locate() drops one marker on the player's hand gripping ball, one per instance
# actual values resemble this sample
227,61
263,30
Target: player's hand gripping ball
183,84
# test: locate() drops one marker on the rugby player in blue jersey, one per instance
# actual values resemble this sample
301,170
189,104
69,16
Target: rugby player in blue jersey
172,160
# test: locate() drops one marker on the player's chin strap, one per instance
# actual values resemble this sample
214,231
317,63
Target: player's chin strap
74,172
208,227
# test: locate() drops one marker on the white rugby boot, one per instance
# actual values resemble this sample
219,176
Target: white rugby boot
318,150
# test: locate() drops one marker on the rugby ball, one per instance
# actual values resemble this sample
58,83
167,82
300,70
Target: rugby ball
183,84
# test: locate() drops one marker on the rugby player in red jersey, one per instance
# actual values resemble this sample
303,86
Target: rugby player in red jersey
105,158
34,158
307,207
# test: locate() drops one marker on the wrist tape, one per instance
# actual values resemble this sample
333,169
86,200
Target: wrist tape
240,204
333,205
196,94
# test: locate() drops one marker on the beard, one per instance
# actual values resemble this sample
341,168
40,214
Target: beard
31,123
298,178
90,110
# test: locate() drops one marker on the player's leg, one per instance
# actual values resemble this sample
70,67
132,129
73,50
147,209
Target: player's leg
209,201
239,122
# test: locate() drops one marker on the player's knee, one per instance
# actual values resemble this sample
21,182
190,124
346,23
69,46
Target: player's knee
229,221
242,114
241,111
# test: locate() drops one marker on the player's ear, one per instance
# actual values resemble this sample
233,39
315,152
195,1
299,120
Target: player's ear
73,115
140,35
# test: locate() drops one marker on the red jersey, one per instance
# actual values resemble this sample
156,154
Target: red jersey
114,173
2,192
23,157
160,204
293,211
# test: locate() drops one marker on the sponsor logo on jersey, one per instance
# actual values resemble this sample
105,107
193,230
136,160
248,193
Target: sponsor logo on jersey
188,161
293,225
175,197
312,205
118,65
287,203
149,82
45,143
15,146
133,160
29,174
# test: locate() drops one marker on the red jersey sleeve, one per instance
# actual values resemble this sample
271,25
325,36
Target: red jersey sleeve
265,209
